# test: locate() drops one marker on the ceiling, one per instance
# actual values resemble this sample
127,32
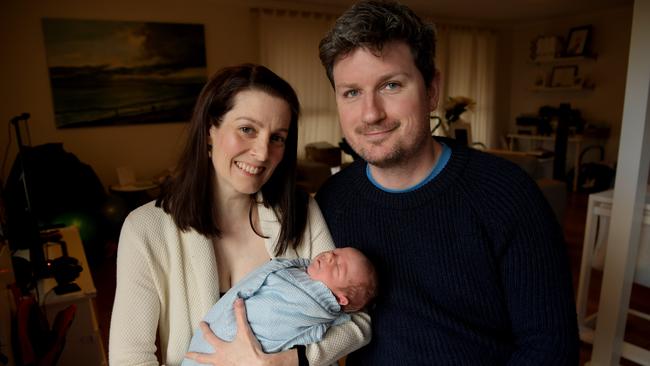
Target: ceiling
507,11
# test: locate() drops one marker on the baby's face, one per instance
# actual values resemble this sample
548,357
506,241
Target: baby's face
337,269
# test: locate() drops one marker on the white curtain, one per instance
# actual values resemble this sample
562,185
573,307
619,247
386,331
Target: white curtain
466,58
289,46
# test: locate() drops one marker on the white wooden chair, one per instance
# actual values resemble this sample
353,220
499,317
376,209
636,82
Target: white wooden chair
594,249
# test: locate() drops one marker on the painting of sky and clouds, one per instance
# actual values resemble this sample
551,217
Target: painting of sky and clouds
117,73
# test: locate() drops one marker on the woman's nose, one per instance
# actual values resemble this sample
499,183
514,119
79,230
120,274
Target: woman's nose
260,149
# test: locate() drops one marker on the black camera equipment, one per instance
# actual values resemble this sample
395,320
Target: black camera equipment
23,230
22,226
64,269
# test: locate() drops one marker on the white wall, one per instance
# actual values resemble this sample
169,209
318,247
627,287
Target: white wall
230,35
604,104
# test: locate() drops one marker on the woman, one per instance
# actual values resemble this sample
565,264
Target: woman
230,207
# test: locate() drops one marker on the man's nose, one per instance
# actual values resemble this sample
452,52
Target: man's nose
373,109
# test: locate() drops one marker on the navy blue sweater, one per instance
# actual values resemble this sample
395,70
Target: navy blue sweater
472,266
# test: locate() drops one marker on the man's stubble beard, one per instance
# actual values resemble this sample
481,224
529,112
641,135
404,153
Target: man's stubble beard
399,154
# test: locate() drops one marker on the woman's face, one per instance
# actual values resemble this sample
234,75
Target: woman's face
249,143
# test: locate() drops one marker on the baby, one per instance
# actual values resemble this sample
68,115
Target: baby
294,301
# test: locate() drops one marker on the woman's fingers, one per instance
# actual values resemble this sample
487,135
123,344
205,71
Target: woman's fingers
243,350
213,340
200,357
209,335
241,318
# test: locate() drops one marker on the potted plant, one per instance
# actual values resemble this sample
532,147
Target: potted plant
454,108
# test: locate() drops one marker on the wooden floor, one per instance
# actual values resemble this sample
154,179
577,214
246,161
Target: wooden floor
637,330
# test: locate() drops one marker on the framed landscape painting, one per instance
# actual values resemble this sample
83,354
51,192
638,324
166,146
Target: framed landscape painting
119,73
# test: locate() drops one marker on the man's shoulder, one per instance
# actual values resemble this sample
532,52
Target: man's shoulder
499,187
341,182
469,166
353,171
485,169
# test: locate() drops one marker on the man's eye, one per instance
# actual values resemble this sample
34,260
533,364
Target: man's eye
392,85
246,130
351,93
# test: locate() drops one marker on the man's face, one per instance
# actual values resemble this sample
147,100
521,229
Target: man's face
383,103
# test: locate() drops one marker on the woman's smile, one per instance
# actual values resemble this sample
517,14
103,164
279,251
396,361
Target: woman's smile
250,169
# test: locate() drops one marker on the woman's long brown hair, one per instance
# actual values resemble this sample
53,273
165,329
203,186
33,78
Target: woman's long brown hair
188,195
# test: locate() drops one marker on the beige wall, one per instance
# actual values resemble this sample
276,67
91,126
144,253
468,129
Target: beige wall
604,104
230,37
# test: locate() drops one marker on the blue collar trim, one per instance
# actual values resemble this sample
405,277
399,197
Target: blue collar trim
440,165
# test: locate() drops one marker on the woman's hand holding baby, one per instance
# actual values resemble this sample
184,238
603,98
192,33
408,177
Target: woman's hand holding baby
245,349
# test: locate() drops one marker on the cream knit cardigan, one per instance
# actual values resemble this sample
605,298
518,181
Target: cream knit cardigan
167,280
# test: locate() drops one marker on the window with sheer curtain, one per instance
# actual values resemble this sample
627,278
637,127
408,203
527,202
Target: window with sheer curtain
289,46
466,59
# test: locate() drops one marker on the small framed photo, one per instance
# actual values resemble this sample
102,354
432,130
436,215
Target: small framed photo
578,41
562,76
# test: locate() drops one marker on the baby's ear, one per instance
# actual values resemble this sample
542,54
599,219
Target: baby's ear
341,299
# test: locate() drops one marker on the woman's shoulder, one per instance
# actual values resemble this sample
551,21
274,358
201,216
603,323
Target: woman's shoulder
149,216
312,205
147,211
150,229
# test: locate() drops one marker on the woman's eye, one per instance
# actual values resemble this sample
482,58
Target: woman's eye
280,140
246,130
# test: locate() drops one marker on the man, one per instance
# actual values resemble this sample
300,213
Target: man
471,261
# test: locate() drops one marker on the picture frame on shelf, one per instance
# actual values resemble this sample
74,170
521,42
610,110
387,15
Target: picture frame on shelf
564,76
545,48
578,41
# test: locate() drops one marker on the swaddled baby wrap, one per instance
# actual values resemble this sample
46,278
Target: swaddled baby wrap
283,305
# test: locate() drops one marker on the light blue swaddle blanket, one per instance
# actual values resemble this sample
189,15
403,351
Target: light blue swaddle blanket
284,307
